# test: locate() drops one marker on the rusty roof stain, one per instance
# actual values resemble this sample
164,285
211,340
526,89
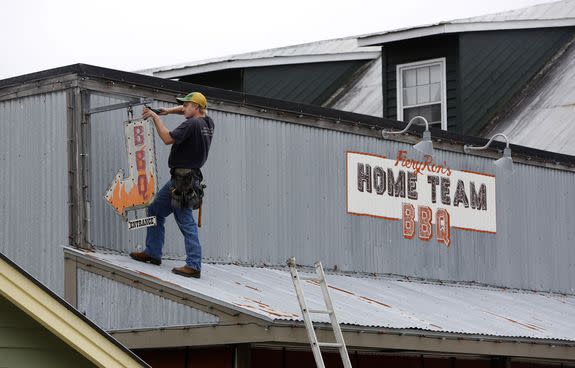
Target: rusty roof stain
369,300
528,325
258,305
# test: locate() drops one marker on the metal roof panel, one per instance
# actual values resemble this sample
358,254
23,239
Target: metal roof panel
552,10
552,14
544,118
326,50
381,302
363,95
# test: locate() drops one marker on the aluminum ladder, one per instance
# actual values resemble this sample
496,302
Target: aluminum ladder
316,345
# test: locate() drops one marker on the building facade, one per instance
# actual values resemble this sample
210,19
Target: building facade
489,288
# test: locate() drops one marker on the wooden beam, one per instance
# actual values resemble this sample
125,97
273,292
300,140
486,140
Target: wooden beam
71,281
243,356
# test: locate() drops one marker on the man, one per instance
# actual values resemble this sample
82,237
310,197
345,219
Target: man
190,146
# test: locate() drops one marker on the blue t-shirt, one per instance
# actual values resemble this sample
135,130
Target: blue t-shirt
192,140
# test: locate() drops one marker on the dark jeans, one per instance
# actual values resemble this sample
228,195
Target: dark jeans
162,208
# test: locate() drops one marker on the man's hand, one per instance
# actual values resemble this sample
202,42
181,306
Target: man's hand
163,132
147,113
160,111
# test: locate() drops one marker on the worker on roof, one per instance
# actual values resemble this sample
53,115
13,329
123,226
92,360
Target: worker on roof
190,142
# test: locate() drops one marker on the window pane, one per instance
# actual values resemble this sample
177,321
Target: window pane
422,75
435,74
422,94
422,87
435,113
409,78
431,112
410,113
409,96
435,92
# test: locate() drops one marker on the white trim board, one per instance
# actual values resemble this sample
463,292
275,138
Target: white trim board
436,29
259,62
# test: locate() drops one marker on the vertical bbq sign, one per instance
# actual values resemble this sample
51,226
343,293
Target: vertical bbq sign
429,198
139,188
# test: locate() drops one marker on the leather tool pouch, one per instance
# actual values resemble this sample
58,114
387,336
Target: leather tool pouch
187,188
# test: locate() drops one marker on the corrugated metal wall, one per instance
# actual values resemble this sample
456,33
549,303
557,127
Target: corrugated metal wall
104,302
34,185
277,190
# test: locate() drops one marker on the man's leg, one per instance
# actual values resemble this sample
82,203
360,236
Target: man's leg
185,220
161,207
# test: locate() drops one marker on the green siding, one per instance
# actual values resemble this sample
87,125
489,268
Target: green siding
410,51
494,66
26,343
310,83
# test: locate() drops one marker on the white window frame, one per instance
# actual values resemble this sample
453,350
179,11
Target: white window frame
401,67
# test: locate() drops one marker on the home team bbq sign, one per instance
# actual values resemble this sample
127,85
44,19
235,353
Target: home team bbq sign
429,198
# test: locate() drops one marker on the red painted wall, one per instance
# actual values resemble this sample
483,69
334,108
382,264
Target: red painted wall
223,357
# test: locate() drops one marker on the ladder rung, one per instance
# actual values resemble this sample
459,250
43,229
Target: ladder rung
307,278
330,344
319,311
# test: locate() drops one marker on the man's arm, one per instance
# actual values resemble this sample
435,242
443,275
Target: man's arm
161,128
172,110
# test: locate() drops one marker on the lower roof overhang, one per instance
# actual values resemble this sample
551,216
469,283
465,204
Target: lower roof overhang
356,338
237,326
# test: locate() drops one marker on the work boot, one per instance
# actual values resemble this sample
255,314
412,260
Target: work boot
186,271
143,257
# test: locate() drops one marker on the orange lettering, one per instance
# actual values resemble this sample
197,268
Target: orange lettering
140,162
142,179
400,157
425,228
443,227
408,221
143,186
138,135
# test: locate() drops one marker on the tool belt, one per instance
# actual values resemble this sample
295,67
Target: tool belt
187,189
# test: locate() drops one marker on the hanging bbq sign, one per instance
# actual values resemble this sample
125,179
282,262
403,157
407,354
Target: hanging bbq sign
139,188
429,198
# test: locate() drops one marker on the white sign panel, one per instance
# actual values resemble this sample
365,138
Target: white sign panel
142,222
139,188
428,197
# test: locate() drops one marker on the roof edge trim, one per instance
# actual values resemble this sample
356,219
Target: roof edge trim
261,62
425,31
356,338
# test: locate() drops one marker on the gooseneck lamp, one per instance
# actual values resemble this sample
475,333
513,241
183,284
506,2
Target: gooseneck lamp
424,146
505,162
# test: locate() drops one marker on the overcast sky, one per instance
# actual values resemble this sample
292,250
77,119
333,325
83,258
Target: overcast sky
132,35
